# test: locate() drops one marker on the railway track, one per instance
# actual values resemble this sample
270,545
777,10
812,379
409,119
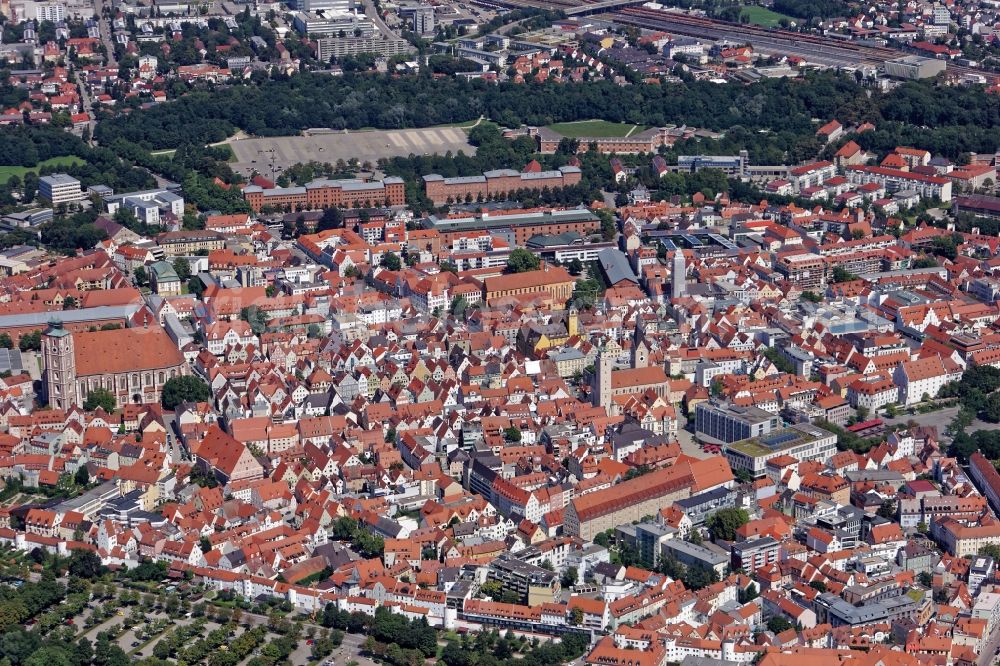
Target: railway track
825,50
810,46
764,38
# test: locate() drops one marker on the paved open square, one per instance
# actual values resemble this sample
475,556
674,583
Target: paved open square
255,154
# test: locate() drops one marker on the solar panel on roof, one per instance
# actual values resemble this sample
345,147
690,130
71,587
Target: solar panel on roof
10,361
778,440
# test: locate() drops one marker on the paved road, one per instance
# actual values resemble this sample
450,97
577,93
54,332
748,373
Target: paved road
689,446
941,418
372,13
989,652
91,633
106,32
88,105
350,650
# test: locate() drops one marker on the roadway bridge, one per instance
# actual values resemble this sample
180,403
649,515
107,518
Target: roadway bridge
602,6
568,7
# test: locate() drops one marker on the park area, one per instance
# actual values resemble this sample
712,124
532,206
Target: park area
595,129
55,162
764,17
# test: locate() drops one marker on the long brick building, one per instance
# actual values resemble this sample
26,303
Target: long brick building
590,514
554,284
644,141
326,193
499,182
517,227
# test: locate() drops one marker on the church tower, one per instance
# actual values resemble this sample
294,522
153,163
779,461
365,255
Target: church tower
602,389
640,354
59,364
573,322
678,275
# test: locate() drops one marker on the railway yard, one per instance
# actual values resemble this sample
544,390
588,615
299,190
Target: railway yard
828,51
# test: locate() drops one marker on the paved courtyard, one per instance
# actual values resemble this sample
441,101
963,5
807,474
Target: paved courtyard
365,146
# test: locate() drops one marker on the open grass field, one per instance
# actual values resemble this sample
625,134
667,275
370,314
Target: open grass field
595,129
763,16
7,171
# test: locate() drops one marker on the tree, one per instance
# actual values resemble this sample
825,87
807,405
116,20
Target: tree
458,305
990,411
492,589
187,388
818,585
698,576
512,434
608,226
30,341
925,578
183,268
331,219
100,397
991,551
575,267
69,303
778,624
82,476
841,274
5,341
197,287
141,276
887,510
254,316
747,594
85,564
569,577
391,261
522,261
724,523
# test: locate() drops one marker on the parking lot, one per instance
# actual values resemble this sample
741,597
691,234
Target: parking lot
366,146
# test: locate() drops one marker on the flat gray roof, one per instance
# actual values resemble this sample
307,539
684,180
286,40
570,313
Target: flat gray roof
42,319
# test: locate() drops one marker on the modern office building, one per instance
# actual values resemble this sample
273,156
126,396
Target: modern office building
914,67
722,423
59,188
149,206
420,17
324,5
709,555
839,613
731,165
802,441
347,24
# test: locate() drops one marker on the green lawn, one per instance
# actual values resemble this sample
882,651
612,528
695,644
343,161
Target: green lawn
595,129
763,16
7,171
